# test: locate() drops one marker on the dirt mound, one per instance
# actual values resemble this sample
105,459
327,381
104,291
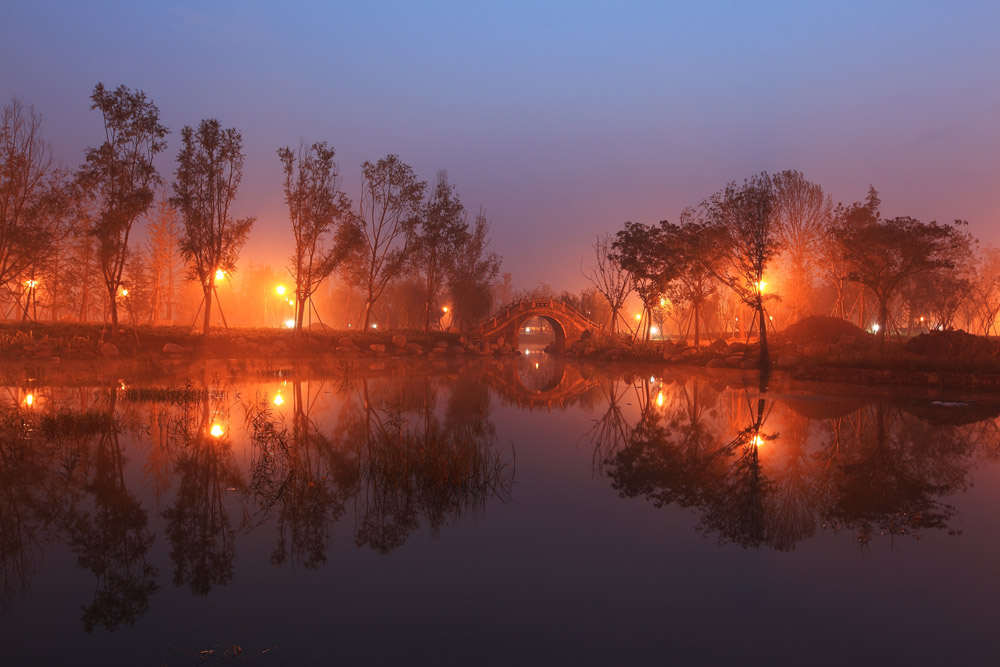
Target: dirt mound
952,345
819,329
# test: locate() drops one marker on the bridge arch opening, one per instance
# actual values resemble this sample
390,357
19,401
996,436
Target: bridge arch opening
534,328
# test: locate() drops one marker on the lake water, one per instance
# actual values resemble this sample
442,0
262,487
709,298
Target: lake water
483,512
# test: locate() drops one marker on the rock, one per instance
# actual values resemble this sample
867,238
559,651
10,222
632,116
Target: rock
690,352
847,341
376,347
816,350
719,345
715,363
787,361
414,347
677,358
345,341
345,348
173,348
749,364
734,360
109,350
737,347
399,340
500,341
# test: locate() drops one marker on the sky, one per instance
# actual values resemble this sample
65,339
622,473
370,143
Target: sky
562,119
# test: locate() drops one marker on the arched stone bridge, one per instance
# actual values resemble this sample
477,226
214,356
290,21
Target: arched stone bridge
569,324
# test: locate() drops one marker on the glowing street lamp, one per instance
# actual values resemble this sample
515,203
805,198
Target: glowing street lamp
875,328
445,309
760,286
757,441
31,284
219,274
280,289
278,400
216,431
289,324
29,400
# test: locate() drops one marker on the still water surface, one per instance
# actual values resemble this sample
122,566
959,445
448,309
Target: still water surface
526,512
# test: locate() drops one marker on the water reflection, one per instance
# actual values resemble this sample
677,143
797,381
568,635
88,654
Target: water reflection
380,453
768,470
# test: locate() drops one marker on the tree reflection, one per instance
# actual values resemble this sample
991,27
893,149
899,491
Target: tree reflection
202,538
394,452
876,470
108,530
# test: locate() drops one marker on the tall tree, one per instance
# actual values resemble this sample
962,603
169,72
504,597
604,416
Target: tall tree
385,220
162,245
742,217
209,170
801,212
441,232
34,196
121,176
883,254
473,273
318,210
645,253
695,245
610,279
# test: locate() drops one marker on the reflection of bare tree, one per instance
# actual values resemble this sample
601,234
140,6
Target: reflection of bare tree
298,475
25,510
111,536
202,538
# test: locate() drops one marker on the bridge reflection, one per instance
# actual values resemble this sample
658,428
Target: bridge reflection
541,381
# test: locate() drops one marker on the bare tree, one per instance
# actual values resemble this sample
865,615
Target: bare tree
209,170
121,175
609,278
317,208
163,249
34,199
440,235
801,212
385,219
742,215
473,273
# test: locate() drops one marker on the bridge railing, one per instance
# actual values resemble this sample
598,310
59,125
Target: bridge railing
532,302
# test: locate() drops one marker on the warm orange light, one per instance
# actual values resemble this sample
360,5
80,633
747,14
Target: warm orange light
760,286
638,316
31,283
659,399
280,289
445,309
29,400
219,274
290,324
216,431
278,400
536,365
757,441
124,292
663,302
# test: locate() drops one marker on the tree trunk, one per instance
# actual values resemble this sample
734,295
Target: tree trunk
208,308
765,354
883,315
113,309
696,323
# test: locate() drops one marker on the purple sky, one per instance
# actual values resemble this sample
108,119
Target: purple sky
562,119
